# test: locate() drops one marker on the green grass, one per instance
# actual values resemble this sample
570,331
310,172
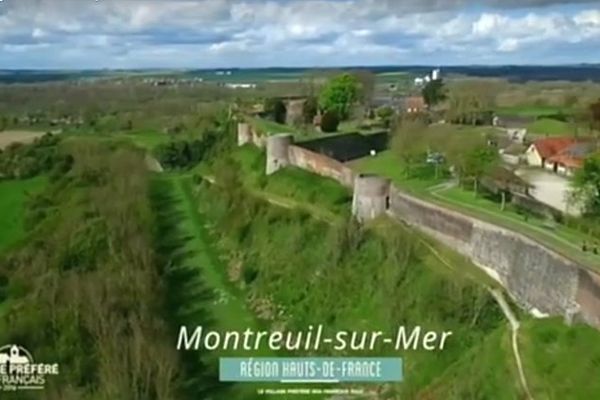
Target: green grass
267,127
145,139
486,371
530,110
561,362
231,313
13,195
294,186
390,165
551,127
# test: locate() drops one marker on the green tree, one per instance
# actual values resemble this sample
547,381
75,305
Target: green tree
470,103
276,109
385,114
329,122
587,184
367,80
340,94
311,107
472,158
434,92
409,143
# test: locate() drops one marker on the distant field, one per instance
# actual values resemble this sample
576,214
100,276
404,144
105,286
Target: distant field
531,111
9,137
13,194
548,126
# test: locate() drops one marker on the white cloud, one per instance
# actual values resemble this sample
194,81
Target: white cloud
288,32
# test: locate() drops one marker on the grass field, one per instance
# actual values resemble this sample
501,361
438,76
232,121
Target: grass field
561,362
145,139
551,127
13,195
531,110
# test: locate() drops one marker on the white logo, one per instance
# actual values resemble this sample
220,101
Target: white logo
18,371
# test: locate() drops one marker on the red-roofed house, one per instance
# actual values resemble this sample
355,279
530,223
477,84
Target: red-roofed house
562,154
415,104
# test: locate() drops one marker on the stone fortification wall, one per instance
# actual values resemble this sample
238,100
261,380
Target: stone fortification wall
321,165
538,278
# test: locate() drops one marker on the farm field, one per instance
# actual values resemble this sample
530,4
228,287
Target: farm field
18,136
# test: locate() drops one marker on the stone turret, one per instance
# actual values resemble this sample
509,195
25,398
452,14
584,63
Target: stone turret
371,196
278,152
244,133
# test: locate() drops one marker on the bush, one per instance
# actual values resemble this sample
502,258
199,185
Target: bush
385,114
311,107
329,122
276,110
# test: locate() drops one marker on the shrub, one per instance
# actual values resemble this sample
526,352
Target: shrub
329,122
276,110
311,107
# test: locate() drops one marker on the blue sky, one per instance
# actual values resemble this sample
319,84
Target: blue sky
67,34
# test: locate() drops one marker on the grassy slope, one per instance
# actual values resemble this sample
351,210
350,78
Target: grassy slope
231,312
292,183
13,195
308,242
227,306
561,362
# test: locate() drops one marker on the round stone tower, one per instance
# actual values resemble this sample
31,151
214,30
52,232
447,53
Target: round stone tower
371,196
277,151
244,134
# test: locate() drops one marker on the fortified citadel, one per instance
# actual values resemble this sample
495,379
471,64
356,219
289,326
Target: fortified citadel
539,279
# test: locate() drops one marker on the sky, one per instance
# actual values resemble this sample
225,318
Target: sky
89,34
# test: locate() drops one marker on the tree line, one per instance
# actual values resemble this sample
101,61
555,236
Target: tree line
89,290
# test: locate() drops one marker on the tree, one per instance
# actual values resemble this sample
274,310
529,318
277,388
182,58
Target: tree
311,107
385,114
587,184
470,103
434,92
472,158
409,143
340,94
276,109
329,122
366,79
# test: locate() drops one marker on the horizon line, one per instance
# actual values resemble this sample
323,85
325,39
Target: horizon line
471,65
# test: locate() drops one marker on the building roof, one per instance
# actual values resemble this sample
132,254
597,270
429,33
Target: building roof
549,147
574,155
514,121
415,102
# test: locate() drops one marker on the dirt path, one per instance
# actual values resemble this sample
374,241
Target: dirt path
506,310
514,326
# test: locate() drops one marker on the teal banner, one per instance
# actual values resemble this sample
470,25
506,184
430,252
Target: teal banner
310,369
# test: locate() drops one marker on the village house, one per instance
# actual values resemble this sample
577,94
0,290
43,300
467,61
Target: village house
562,155
414,104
